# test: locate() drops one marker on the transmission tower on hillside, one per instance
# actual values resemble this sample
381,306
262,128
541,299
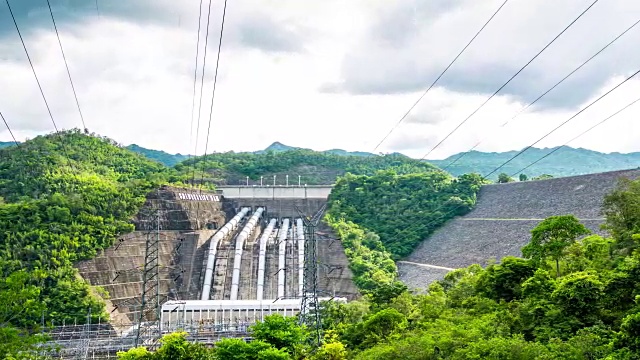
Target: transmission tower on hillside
148,326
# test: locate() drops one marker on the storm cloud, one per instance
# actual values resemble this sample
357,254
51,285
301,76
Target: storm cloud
245,26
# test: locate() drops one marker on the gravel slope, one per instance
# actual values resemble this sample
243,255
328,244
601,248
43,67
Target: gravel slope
501,222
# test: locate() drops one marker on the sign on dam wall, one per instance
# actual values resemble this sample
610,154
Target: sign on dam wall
198,197
276,192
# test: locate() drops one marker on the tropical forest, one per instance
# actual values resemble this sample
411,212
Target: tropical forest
571,294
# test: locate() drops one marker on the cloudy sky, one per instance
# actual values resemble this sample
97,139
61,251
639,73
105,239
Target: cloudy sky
323,74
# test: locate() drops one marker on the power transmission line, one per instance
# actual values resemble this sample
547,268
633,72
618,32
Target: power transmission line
562,124
548,91
195,79
32,67
455,209
55,126
84,126
439,76
8,128
213,94
576,137
204,65
510,79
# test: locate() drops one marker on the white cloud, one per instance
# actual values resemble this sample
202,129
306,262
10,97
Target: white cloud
135,79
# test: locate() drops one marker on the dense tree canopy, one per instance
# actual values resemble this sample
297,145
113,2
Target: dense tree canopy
402,209
313,167
64,198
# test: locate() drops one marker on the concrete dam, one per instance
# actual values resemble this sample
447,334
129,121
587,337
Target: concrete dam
225,258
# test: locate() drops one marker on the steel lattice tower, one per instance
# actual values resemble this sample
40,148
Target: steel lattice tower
149,331
310,313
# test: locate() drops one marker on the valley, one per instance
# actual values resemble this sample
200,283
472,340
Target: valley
122,249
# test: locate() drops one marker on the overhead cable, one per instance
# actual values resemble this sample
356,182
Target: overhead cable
213,93
8,128
548,91
510,79
439,76
55,126
576,137
32,67
84,126
195,80
204,66
563,123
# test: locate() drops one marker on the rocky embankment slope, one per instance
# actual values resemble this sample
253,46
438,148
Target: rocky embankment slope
501,222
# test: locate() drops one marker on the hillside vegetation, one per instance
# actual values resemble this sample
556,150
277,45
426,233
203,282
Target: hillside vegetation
402,209
568,297
63,198
313,167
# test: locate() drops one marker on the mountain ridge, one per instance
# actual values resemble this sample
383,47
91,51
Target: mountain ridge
566,161
4,144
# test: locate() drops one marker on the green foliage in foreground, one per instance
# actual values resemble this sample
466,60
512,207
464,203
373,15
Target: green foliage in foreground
313,167
402,209
276,338
60,204
374,272
571,298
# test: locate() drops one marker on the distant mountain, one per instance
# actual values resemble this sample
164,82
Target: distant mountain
279,147
158,155
6,144
566,161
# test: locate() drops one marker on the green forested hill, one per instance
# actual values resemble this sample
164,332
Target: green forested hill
313,167
566,161
62,199
402,209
